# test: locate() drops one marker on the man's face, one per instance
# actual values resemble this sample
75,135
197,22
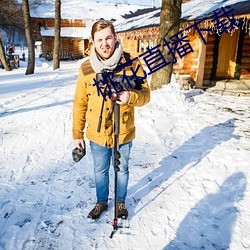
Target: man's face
104,42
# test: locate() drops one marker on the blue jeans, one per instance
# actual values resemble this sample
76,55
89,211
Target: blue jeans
102,157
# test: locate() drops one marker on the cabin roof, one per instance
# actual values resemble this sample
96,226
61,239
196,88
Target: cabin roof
191,11
85,10
77,32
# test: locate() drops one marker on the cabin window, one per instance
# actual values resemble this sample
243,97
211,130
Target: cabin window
145,44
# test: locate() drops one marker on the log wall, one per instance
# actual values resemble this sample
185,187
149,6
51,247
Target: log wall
50,22
187,65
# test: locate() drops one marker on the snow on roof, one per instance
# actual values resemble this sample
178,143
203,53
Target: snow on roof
197,9
145,20
80,32
192,10
85,10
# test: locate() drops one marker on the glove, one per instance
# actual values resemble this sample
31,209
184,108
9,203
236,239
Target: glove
78,153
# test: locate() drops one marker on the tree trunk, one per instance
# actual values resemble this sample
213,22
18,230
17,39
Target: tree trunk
29,38
56,59
3,57
169,26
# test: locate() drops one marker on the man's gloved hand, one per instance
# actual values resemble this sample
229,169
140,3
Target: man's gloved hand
79,151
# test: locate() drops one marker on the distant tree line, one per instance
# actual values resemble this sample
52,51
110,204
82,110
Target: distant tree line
11,20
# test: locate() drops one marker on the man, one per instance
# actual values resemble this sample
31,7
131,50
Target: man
106,55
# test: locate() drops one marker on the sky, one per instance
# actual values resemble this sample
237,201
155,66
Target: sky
189,169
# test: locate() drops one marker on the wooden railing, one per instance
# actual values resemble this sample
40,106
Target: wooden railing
64,55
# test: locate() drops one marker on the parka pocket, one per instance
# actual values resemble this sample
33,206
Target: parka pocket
127,119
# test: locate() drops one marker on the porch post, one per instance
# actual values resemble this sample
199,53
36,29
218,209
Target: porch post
201,63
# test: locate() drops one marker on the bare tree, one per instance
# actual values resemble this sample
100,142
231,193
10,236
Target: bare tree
28,33
11,24
56,59
3,57
169,26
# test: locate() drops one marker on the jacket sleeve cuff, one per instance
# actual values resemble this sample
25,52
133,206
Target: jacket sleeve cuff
138,97
77,135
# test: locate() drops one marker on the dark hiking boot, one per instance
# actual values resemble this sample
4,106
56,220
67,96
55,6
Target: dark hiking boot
97,210
122,211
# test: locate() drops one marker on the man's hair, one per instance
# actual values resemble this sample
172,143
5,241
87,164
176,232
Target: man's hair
101,24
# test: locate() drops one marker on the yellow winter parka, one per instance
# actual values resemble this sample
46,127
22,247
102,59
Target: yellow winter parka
87,106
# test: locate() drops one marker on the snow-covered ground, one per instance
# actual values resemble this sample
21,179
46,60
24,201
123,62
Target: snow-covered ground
189,170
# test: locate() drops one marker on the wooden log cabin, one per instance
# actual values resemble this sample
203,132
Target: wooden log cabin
225,56
74,37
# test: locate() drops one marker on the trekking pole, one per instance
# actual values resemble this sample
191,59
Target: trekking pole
100,117
117,156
